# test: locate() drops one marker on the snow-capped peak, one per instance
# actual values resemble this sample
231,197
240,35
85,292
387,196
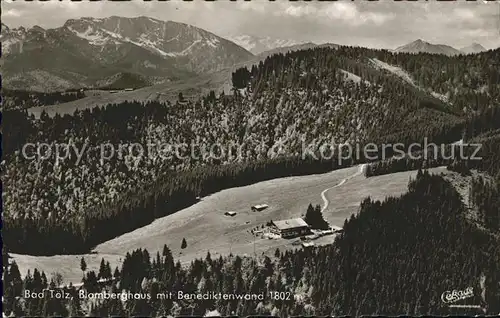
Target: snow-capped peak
257,45
5,28
12,39
145,46
168,39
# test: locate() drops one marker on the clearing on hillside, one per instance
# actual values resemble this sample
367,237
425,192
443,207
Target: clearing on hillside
207,229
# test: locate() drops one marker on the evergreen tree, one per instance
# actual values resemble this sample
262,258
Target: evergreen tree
314,218
102,269
116,274
83,265
166,251
5,255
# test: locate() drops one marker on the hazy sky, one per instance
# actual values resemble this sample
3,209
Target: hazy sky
382,24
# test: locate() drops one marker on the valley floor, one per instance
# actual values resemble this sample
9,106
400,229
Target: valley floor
205,227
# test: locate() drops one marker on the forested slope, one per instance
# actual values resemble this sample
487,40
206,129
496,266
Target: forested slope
395,257
17,99
469,83
307,97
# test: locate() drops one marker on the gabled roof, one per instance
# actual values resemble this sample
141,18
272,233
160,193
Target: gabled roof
290,224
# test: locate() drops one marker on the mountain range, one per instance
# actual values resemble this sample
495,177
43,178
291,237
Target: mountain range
97,52
420,46
139,52
258,45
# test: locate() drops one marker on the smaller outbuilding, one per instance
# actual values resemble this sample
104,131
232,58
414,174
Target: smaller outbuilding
259,207
230,213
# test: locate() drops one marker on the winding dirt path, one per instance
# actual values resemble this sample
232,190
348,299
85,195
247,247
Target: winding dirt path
360,171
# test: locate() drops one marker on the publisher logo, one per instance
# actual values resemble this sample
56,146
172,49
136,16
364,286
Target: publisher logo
449,297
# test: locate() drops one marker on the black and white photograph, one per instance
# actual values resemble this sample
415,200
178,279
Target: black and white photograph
250,158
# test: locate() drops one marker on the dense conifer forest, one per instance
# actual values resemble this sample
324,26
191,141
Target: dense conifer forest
394,257
307,97
16,99
481,132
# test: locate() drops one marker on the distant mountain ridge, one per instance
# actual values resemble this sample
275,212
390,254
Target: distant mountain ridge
473,48
89,50
258,45
420,46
